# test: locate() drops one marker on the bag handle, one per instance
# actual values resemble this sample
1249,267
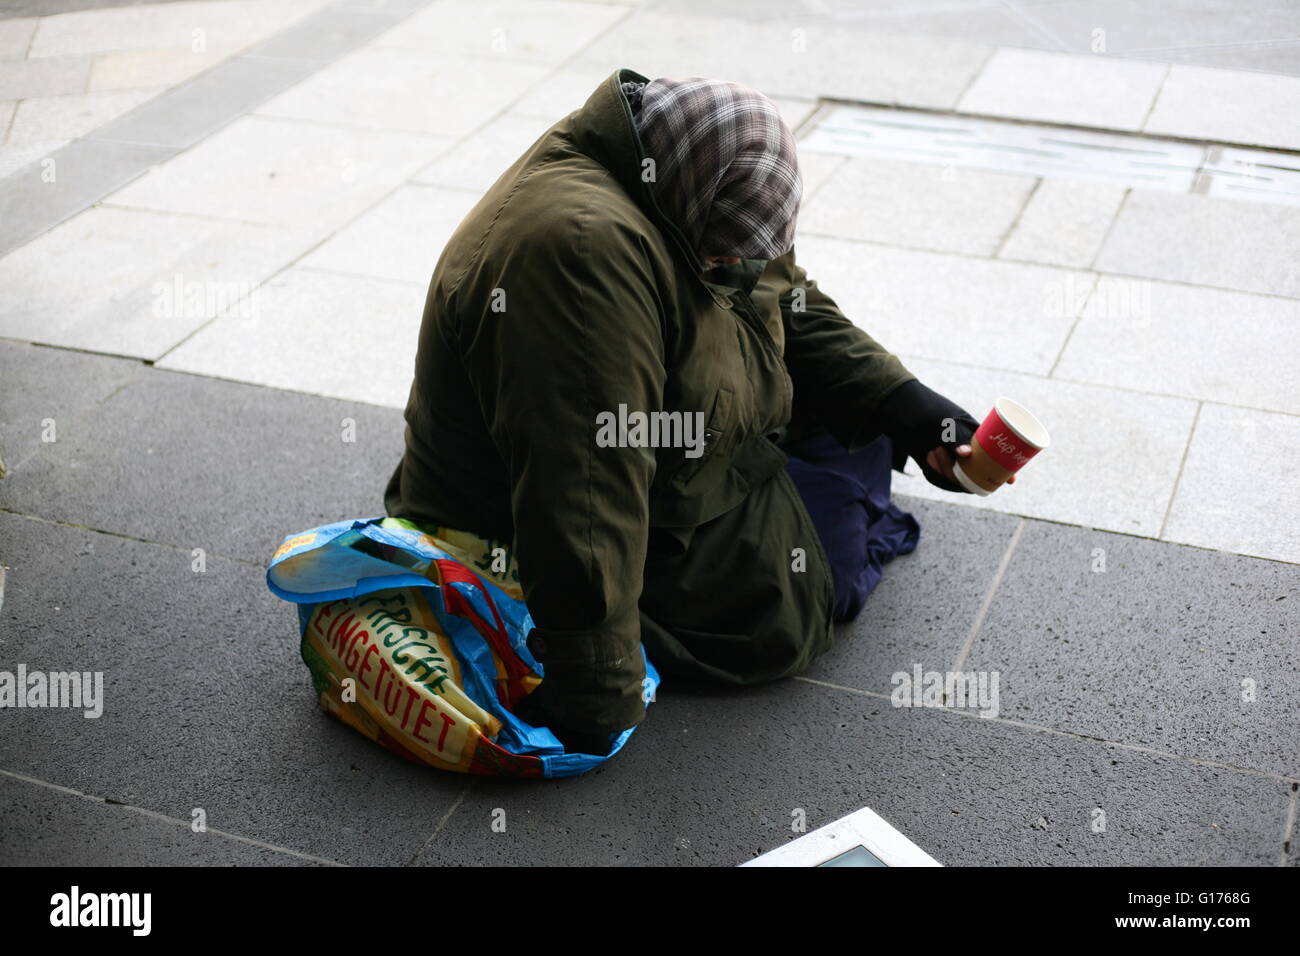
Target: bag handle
451,571
365,557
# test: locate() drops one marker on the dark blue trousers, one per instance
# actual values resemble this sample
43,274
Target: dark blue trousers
847,497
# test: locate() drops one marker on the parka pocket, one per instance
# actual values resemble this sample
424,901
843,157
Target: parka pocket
719,432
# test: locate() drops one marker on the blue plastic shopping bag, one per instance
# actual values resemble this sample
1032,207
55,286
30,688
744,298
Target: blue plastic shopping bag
418,652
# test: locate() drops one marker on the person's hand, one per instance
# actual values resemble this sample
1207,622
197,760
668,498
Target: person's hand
930,429
941,461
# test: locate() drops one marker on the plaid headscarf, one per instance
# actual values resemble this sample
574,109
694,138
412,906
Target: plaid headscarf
726,170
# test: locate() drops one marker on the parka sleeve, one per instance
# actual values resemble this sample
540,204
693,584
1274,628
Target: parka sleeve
840,373
575,331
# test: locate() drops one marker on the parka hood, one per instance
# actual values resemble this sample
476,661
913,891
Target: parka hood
605,129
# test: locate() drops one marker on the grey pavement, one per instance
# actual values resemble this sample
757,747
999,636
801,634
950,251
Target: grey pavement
1136,594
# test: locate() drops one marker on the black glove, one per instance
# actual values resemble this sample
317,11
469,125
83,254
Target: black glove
530,710
916,418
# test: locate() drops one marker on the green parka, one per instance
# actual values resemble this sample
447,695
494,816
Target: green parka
565,293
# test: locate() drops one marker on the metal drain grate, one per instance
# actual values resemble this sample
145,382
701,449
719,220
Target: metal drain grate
1255,174
1057,153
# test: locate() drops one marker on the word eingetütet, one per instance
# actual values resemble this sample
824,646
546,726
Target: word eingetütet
381,658
626,429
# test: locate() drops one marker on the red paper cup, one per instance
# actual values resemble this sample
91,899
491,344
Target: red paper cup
1003,444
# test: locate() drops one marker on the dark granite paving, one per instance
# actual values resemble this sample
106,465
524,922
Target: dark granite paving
184,460
40,826
717,779
1124,733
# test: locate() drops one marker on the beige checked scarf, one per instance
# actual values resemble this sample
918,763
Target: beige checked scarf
726,170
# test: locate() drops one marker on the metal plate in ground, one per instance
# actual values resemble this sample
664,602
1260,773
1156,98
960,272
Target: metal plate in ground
1055,152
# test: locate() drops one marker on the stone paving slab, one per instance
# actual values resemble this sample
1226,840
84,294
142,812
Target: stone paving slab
1139,29
1060,88
477,161
25,79
922,206
136,282
1216,507
16,36
791,57
1064,223
335,30
1255,109
195,110
971,21
560,92
350,337
1267,57
385,89
816,169
400,238
923,609
1187,341
1247,246
153,26
563,91
67,117
133,69
1005,315
40,826
713,779
284,172
547,32
1253,38
50,392
206,703
858,59
197,463
14,158
31,202
1179,649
